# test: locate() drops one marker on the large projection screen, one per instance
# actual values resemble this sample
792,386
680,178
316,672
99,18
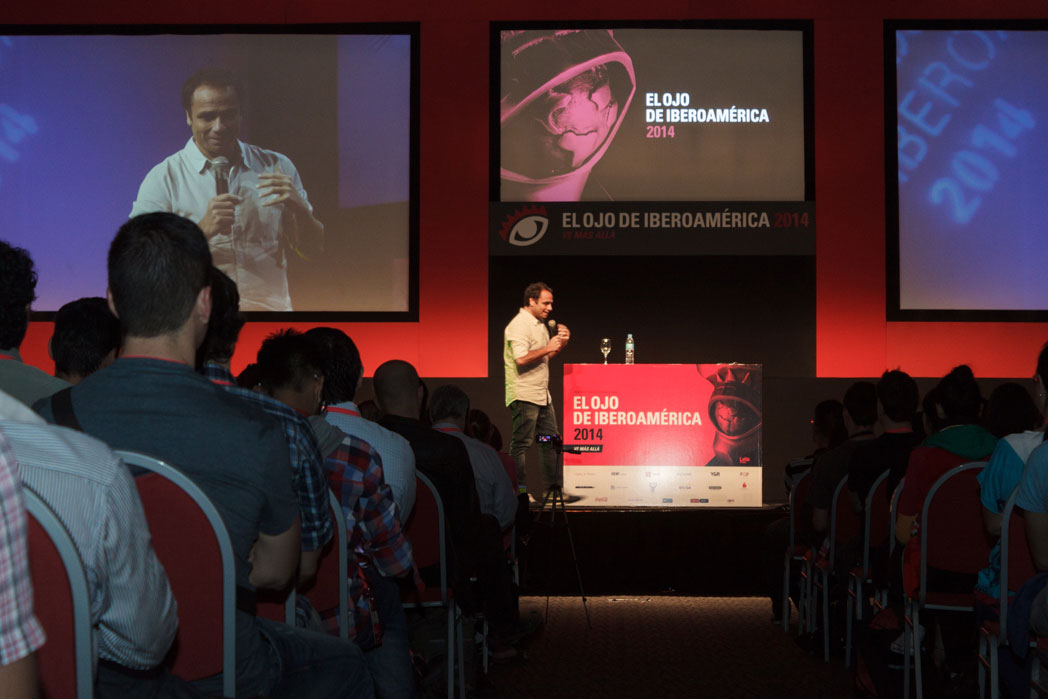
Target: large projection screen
95,127
659,139
966,173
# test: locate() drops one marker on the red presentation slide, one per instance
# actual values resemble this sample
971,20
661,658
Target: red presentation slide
663,435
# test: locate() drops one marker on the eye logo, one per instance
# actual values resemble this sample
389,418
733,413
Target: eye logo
526,226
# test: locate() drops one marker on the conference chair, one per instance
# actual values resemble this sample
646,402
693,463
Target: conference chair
1016,568
426,531
795,552
330,587
62,604
192,543
952,538
845,525
877,521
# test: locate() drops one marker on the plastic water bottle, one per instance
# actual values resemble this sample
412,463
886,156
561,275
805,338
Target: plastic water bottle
629,348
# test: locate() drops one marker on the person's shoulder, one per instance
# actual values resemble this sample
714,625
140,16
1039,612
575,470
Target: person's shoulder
61,450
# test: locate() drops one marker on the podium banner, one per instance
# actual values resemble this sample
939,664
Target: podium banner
663,435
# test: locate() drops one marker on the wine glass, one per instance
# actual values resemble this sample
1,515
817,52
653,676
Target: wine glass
605,347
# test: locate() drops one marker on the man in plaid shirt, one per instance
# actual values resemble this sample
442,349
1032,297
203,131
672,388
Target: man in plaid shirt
20,632
306,461
291,370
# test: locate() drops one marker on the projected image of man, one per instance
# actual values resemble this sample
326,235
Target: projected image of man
249,201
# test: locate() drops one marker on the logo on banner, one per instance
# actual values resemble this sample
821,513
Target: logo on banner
525,226
667,500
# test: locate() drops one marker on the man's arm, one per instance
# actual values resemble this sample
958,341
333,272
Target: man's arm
992,521
304,232
18,679
551,349
274,558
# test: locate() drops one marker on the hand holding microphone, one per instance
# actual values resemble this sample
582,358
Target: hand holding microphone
221,209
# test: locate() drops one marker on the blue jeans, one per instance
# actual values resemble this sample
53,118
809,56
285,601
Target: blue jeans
530,419
308,664
390,661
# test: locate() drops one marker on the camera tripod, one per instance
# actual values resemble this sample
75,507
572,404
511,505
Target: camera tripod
555,497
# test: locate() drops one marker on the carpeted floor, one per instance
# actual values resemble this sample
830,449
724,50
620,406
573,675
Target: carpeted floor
643,646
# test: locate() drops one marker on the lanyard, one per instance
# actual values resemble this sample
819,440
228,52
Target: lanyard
343,411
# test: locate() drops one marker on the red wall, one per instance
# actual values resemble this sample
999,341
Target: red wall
450,339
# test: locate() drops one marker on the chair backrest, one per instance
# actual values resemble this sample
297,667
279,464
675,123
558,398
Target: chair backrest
952,533
66,662
192,543
798,497
845,522
1016,560
331,586
425,530
876,515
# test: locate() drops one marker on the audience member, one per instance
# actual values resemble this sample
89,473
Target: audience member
307,471
860,415
828,431
343,373
480,426
441,458
897,396
132,608
369,411
290,365
86,338
152,401
249,378
17,291
20,632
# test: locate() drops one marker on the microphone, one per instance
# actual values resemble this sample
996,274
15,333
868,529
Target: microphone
221,167
552,327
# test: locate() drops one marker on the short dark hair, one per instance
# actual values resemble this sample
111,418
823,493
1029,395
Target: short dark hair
829,422
534,291
899,395
158,263
1010,409
216,77
1042,363
86,331
960,397
287,359
860,400
226,321
249,378
342,367
479,426
17,291
448,401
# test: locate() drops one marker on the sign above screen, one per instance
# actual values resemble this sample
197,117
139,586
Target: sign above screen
626,138
966,170
295,150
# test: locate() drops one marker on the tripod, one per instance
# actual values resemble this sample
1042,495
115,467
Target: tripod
555,497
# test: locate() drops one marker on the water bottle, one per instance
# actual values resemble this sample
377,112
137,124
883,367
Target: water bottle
629,348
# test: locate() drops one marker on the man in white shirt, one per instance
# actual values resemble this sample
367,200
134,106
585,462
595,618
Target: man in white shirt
249,201
527,349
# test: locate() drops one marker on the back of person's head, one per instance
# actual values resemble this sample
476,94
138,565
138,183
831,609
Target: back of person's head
17,291
86,337
287,359
959,396
828,422
397,388
478,425
448,402
1010,409
1042,363
860,402
930,412
226,321
341,363
899,396
158,263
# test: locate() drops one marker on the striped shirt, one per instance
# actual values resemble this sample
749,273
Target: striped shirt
354,471
20,632
307,472
95,497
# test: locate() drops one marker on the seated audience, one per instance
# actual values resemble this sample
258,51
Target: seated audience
290,367
307,471
369,410
860,416
152,401
897,396
20,632
479,426
828,431
17,291
86,338
343,373
132,608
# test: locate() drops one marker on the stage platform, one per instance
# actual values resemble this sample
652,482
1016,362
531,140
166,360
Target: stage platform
693,551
